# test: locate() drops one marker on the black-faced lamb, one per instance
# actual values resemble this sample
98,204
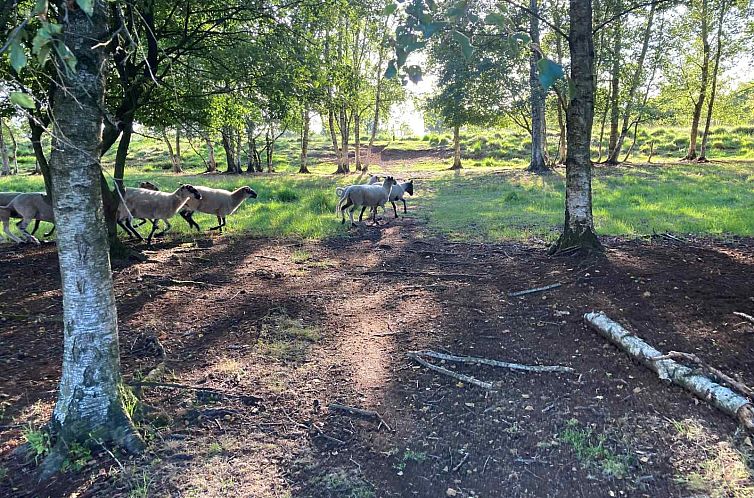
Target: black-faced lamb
365,196
398,191
216,201
28,206
154,206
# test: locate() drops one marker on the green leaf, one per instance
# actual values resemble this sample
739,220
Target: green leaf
86,5
22,100
430,29
523,38
41,39
17,56
40,7
66,55
391,71
496,19
43,54
389,9
549,72
400,56
463,40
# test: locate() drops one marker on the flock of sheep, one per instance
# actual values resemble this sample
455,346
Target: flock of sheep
148,203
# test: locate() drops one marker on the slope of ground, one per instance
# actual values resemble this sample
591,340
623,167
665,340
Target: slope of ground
300,325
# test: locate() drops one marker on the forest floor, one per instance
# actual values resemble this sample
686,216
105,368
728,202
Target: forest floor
297,326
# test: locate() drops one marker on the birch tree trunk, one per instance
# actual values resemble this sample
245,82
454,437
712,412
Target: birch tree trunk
173,158
4,153
345,133
304,141
615,82
377,103
178,158
699,103
456,148
713,90
538,163
227,139
14,150
89,404
578,230
613,158
334,138
357,139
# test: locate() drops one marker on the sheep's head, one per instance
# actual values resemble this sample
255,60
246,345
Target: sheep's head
191,190
389,182
249,192
149,186
409,187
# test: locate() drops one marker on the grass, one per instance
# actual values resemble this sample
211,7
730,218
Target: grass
591,449
285,338
492,199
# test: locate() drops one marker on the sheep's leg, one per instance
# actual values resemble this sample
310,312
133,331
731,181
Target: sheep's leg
219,224
131,230
350,215
29,237
343,211
48,234
361,215
404,206
140,223
36,226
394,209
189,217
6,229
151,233
168,227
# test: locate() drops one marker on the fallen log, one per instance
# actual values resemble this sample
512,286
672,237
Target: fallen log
717,374
746,317
667,369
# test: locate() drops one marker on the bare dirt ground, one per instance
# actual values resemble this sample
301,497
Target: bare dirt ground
302,325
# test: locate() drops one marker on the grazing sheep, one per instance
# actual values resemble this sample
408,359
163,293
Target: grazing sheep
153,205
365,196
398,191
27,206
6,197
216,201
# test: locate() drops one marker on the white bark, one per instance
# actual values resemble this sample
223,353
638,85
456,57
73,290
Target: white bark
4,152
721,397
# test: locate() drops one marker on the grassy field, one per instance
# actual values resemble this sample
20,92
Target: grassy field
491,199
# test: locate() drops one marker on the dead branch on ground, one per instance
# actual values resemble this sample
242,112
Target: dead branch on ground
532,291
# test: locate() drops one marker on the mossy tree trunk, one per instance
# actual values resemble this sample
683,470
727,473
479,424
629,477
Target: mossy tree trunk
89,405
578,230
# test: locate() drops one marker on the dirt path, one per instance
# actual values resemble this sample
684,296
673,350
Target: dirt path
303,325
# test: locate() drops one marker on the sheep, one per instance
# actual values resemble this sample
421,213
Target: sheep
28,206
216,201
398,191
6,197
365,196
153,205
149,186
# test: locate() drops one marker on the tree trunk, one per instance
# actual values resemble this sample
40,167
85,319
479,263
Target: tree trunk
613,158
227,138
456,148
344,139
562,149
538,163
269,144
89,405
238,143
4,153
578,231
691,154
211,161
357,139
42,166
713,89
178,158
304,141
334,138
173,157
615,81
120,161
377,103
14,150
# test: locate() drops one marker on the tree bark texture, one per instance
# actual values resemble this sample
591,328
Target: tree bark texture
456,148
305,121
539,161
211,161
89,404
4,152
615,81
578,230
357,139
699,103
713,90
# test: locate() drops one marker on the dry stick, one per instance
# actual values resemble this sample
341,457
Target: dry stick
723,398
746,317
358,412
211,390
463,460
739,386
420,274
532,291
494,363
445,371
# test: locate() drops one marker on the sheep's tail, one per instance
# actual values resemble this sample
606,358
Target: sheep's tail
339,191
341,201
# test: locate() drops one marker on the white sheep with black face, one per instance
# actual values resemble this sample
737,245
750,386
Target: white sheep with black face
154,206
365,196
398,191
28,206
216,201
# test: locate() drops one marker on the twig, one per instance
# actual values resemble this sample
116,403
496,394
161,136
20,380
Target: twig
265,257
532,291
485,464
678,355
463,460
445,371
211,390
420,274
746,317
494,363
384,334
358,412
